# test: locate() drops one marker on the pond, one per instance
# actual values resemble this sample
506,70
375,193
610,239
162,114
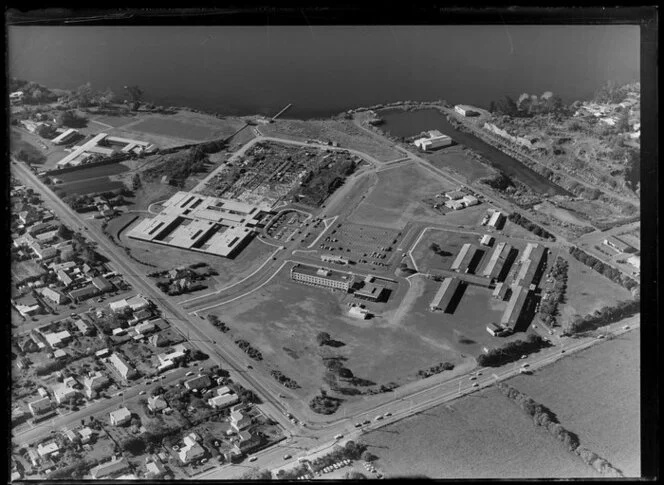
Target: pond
401,123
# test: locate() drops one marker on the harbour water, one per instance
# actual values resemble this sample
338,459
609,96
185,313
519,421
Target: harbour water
324,70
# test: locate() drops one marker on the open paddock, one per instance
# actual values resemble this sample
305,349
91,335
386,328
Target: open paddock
288,315
396,198
595,394
482,435
457,159
588,290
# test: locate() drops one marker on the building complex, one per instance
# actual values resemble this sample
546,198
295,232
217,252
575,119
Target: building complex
201,223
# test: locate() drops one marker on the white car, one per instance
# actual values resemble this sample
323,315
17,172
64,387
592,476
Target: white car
475,384
525,364
142,393
190,373
626,327
253,458
338,437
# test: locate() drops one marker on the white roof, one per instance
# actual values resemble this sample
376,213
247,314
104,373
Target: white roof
120,414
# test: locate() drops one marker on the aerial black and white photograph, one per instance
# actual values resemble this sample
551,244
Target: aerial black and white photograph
299,246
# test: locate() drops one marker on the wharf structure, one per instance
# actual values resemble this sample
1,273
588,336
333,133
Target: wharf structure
204,224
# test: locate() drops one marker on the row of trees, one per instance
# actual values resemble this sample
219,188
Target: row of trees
543,417
436,369
324,404
530,226
602,317
528,105
283,379
511,351
180,167
252,352
549,306
214,320
33,93
604,269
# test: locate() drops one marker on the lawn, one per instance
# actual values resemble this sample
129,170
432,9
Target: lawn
283,318
345,132
596,395
483,435
396,198
177,129
588,290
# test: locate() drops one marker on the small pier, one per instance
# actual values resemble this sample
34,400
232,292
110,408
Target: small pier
282,111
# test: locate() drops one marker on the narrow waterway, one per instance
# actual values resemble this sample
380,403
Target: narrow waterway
408,123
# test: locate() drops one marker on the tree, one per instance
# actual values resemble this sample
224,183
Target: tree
84,96
136,181
69,118
133,445
257,474
323,338
367,456
135,95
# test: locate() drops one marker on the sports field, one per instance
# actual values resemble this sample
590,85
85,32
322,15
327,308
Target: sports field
595,394
483,435
396,198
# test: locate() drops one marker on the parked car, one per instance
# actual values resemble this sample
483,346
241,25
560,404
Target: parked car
190,373
287,457
253,458
378,418
388,414
338,437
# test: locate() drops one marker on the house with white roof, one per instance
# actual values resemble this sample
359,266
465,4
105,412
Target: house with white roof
191,451
120,416
109,469
156,403
65,392
95,382
46,450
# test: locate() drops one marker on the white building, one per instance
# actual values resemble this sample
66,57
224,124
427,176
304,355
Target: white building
120,416
358,312
65,391
122,366
466,110
435,139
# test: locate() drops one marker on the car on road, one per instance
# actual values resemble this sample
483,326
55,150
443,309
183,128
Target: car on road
338,437
142,393
366,421
249,367
387,414
358,425
253,458
287,457
600,336
176,447
378,418
473,378
626,327
524,356
475,384
525,364
562,351
190,373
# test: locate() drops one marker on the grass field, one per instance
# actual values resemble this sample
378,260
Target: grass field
283,318
345,132
177,129
457,159
588,291
396,198
596,395
26,269
483,435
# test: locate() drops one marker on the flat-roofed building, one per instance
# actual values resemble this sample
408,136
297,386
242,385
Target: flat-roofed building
514,307
57,339
322,277
460,256
443,297
357,312
455,195
371,292
223,400
470,200
434,139
201,223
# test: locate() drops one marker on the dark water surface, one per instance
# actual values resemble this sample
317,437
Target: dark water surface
324,70
408,123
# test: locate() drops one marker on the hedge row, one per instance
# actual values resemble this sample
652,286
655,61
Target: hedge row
603,269
543,417
530,226
603,316
511,351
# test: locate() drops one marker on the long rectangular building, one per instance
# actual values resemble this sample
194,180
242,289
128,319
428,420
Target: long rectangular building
493,260
470,259
441,301
530,269
460,256
514,307
322,277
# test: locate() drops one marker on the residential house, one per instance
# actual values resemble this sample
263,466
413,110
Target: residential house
57,339
191,451
109,469
140,315
198,382
120,416
102,284
145,328
238,420
122,366
86,434
40,406
83,326
65,392
60,354
54,295
84,293
45,450
95,382
72,435
156,403
158,340
28,345
223,399
154,470
64,277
